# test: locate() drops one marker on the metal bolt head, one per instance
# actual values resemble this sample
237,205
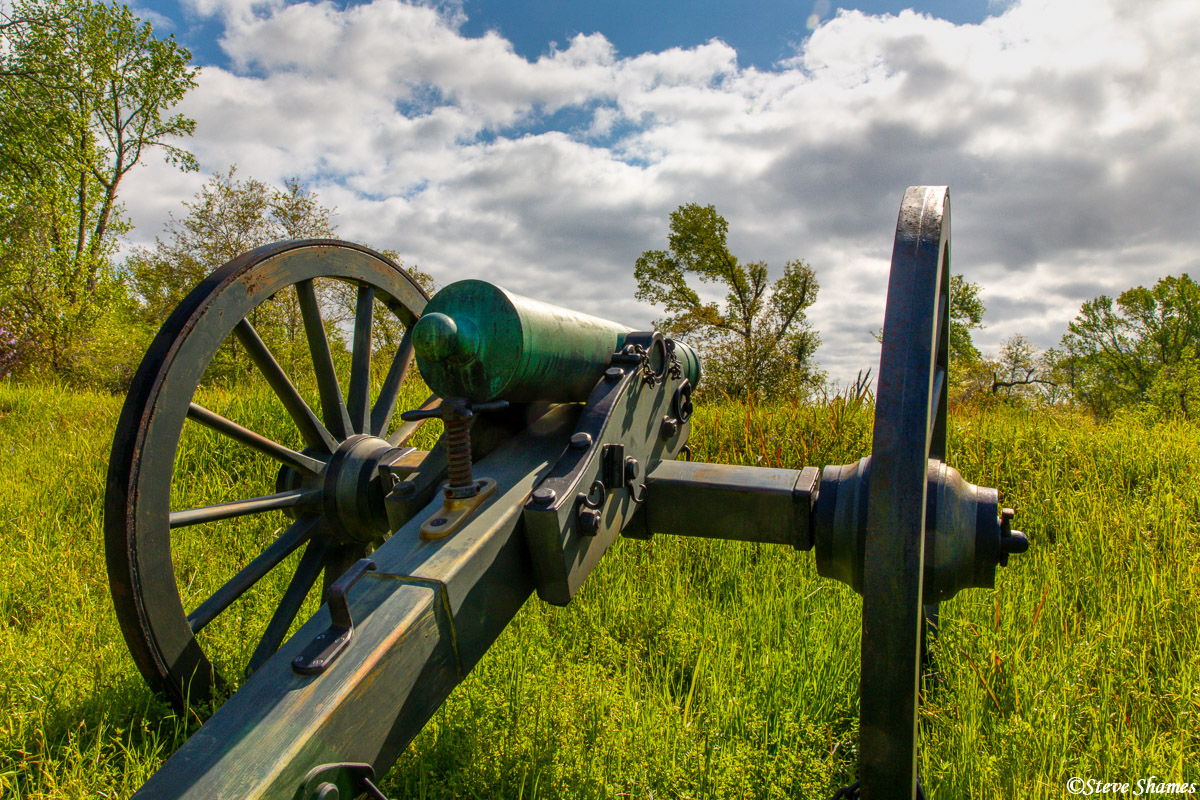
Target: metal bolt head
544,496
1011,542
581,441
326,791
404,490
613,374
589,522
670,427
632,469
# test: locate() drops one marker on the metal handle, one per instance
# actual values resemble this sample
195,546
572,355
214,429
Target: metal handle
335,597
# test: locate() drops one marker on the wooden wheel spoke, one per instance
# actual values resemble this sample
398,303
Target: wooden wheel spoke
226,427
306,575
333,407
315,434
240,508
287,542
403,433
360,361
385,404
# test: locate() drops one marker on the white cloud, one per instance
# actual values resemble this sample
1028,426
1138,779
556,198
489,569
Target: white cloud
1066,132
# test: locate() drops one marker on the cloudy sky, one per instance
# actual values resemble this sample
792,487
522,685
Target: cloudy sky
542,145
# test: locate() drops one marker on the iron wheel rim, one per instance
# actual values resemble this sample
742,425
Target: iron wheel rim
909,429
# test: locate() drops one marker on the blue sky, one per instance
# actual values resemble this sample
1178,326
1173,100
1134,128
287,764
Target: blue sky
762,33
542,145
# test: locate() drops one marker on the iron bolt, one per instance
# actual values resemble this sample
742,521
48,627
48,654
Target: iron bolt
326,791
1011,542
544,496
613,374
670,427
404,490
581,441
589,522
631,469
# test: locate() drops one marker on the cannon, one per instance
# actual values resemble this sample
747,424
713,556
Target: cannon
561,432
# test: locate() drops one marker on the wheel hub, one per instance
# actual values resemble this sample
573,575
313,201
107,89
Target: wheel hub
967,534
354,507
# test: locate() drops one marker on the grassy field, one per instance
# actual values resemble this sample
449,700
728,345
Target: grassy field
685,668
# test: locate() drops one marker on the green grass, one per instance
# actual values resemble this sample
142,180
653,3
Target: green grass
685,668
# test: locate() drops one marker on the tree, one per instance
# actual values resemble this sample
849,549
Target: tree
1019,372
227,217
86,91
757,343
966,314
230,216
1175,391
1113,352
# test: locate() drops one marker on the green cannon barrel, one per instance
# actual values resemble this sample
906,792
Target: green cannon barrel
478,341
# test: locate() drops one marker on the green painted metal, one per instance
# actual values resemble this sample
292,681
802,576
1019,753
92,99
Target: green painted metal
966,542
625,410
478,341
728,501
689,361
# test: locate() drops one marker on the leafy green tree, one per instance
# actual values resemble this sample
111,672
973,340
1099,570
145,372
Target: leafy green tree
1114,351
758,342
227,217
1020,371
1175,391
230,216
966,315
86,90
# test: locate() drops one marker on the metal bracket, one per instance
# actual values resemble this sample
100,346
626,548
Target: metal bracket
455,511
594,491
321,651
612,466
340,782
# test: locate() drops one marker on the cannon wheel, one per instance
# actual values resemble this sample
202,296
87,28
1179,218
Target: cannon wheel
334,451
910,429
